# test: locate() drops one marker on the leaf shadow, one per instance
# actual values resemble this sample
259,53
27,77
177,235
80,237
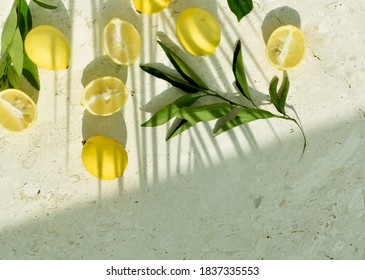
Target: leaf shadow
161,100
26,87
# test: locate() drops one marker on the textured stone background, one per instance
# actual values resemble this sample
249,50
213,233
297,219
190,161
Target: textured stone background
242,195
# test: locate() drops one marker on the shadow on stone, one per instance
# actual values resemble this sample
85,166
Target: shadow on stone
279,17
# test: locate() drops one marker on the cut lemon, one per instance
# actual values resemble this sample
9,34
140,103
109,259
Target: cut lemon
286,47
104,157
18,111
121,42
198,31
150,6
104,96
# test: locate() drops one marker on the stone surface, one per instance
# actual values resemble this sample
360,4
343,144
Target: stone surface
242,195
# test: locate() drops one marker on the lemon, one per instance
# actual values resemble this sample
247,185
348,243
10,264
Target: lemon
198,31
48,47
104,157
104,96
121,42
286,47
150,6
18,112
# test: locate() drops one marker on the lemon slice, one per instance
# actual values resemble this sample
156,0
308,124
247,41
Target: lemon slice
121,42
104,96
286,47
150,6
198,31
18,111
104,158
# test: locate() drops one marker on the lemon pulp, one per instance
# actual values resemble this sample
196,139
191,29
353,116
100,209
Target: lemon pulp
198,31
18,111
121,42
104,158
48,47
286,47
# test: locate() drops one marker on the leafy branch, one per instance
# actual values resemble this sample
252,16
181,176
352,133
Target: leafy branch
187,113
14,62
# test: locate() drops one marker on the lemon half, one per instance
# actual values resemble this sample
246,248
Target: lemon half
198,31
121,42
48,47
104,96
286,47
150,6
18,111
104,158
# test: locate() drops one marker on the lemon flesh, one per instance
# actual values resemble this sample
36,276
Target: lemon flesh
18,112
104,158
198,31
104,96
286,47
121,42
150,6
48,47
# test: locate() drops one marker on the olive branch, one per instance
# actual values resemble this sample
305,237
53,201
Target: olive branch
187,113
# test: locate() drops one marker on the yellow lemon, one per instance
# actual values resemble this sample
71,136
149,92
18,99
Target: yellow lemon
121,42
48,47
104,96
286,47
18,112
198,31
150,6
104,157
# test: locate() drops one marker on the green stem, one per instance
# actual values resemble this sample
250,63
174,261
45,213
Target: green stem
217,95
286,117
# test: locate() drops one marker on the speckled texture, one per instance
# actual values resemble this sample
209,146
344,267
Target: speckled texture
242,195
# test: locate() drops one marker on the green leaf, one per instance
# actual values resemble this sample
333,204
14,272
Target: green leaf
13,77
273,88
176,82
45,5
30,72
239,72
184,70
204,113
278,98
8,30
16,52
25,18
168,112
245,116
254,114
240,8
179,128
283,92
3,64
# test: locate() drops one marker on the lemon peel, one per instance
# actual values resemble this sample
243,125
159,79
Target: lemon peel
104,158
150,6
48,47
198,31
